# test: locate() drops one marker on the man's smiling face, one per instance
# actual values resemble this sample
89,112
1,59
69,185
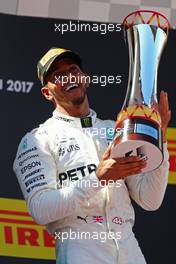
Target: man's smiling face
66,83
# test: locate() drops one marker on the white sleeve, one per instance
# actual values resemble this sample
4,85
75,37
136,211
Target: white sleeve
36,171
148,189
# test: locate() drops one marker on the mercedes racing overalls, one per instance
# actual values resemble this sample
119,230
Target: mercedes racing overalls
56,169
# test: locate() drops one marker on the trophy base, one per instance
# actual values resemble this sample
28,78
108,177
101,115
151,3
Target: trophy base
139,137
139,147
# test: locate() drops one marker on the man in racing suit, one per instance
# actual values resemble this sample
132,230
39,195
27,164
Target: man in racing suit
60,166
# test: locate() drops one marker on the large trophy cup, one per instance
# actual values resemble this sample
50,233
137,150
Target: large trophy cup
138,125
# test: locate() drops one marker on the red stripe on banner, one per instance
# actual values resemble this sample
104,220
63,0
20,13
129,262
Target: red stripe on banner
172,149
15,221
13,213
172,161
171,141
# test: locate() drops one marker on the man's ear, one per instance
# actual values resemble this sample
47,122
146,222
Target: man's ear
47,93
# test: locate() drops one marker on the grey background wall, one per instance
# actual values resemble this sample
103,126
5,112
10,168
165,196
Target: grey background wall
92,10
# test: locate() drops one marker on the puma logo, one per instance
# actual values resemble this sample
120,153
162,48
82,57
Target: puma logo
82,218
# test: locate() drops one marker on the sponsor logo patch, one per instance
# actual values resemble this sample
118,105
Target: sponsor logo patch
30,166
117,220
74,174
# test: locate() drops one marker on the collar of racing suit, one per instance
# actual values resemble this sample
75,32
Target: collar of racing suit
77,121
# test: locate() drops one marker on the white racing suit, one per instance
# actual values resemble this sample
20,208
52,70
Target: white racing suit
55,166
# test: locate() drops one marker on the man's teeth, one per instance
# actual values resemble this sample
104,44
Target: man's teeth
69,87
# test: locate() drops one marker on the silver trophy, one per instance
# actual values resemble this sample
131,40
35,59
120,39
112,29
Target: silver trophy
138,125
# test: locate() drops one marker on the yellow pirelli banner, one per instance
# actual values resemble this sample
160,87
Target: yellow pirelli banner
20,236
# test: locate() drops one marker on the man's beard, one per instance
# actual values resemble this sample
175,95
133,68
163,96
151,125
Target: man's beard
79,100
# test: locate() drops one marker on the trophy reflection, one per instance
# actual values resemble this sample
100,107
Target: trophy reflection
138,125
